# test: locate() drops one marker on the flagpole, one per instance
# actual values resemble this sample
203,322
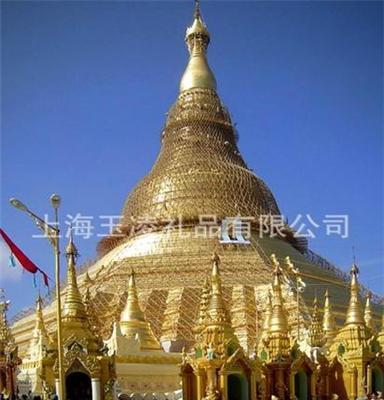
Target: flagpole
53,233
55,201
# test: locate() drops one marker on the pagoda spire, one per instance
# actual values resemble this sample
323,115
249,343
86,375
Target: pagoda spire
197,73
368,319
40,338
132,320
216,309
329,323
40,329
73,304
132,310
278,332
354,312
278,321
316,332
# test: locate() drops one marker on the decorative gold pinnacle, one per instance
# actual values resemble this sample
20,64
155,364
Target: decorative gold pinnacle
216,309
40,329
133,323
354,312
278,333
316,334
368,319
73,304
132,310
197,74
278,321
329,323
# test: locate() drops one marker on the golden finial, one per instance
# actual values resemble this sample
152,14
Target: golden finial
132,310
197,74
216,310
316,333
278,321
277,340
73,304
40,329
329,323
354,313
197,9
368,312
132,321
71,250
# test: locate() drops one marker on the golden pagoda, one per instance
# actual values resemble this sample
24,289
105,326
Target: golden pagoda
36,371
218,369
89,372
352,352
185,209
140,364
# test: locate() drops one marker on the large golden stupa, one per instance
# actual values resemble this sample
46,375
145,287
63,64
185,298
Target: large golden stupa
171,224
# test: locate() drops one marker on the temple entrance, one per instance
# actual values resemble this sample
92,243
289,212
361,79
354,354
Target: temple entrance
237,387
336,382
78,386
190,384
302,385
377,380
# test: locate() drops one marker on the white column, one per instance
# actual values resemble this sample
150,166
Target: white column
95,388
57,386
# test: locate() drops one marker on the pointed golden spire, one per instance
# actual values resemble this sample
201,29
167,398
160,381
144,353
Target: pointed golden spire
73,304
368,319
354,312
132,321
197,74
278,321
132,310
40,329
316,334
216,309
329,323
278,333
40,338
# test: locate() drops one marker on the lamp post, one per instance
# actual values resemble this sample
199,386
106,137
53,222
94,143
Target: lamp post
53,234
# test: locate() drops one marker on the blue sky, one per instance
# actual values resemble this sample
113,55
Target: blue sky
86,85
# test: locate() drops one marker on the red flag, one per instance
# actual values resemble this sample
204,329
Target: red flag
25,262
21,257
